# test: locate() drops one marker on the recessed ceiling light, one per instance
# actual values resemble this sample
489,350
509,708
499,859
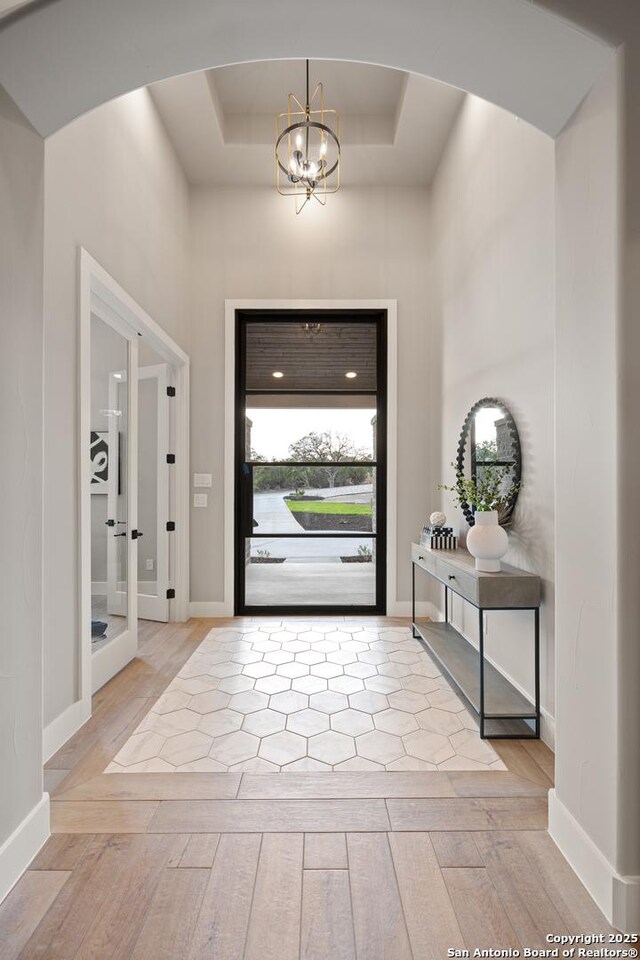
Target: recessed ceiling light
351,375
277,374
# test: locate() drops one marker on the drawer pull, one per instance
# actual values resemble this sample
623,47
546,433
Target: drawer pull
451,576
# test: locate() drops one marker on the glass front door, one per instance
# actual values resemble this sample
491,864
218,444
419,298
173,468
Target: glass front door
310,462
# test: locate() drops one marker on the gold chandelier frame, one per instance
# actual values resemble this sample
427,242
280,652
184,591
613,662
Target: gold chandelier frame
300,119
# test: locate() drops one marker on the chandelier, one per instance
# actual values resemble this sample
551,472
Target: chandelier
308,149
311,330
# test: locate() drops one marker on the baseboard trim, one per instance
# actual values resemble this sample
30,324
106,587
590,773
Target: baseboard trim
206,609
618,897
17,852
399,608
56,733
548,729
403,608
626,904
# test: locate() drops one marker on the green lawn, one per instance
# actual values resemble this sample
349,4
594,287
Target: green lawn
323,506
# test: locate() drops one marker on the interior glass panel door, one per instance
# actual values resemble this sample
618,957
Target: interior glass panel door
109,448
117,496
113,481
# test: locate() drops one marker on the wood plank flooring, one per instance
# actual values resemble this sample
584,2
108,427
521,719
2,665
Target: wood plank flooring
320,866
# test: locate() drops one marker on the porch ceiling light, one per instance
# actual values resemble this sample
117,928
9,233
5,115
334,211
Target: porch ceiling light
308,149
278,374
351,375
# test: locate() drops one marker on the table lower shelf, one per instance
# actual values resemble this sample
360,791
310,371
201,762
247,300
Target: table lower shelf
507,712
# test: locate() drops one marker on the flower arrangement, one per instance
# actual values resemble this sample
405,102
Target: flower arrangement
491,491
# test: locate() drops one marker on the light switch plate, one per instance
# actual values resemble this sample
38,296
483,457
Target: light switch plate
200,499
202,479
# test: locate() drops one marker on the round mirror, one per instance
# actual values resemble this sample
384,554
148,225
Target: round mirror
490,446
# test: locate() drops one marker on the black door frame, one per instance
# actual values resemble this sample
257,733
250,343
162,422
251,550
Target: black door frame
243,469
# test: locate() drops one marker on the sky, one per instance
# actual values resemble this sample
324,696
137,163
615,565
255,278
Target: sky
274,430
486,423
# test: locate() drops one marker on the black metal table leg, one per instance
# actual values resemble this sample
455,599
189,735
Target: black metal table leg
413,599
536,614
481,651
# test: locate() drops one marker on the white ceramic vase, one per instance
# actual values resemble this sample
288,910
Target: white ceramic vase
487,541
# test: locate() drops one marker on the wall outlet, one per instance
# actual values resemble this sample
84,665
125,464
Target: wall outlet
149,563
200,499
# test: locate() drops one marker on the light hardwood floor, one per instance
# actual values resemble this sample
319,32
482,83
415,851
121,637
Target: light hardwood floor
321,866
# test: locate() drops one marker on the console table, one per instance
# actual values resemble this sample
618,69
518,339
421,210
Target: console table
503,711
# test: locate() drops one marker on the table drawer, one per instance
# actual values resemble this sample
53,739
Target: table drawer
461,583
423,557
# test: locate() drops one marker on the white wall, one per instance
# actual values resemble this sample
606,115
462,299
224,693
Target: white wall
21,216
590,785
628,397
587,447
114,186
364,244
493,268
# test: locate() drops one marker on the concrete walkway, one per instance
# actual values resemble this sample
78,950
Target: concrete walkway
273,516
271,584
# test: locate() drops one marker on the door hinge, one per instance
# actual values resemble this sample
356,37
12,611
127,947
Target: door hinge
171,525
171,391
171,594
171,458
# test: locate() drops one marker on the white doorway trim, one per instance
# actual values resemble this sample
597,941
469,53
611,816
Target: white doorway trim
391,306
97,284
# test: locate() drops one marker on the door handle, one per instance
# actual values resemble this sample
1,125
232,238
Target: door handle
247,495
120,534
136,534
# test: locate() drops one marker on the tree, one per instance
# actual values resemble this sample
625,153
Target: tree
326,447
486,450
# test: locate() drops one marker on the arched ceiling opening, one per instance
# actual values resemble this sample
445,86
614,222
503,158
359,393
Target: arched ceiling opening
61,58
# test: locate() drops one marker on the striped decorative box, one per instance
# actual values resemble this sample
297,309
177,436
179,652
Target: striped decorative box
441,541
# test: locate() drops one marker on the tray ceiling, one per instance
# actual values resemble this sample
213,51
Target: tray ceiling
222,122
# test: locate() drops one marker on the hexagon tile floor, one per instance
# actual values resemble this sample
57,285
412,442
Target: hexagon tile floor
295,696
